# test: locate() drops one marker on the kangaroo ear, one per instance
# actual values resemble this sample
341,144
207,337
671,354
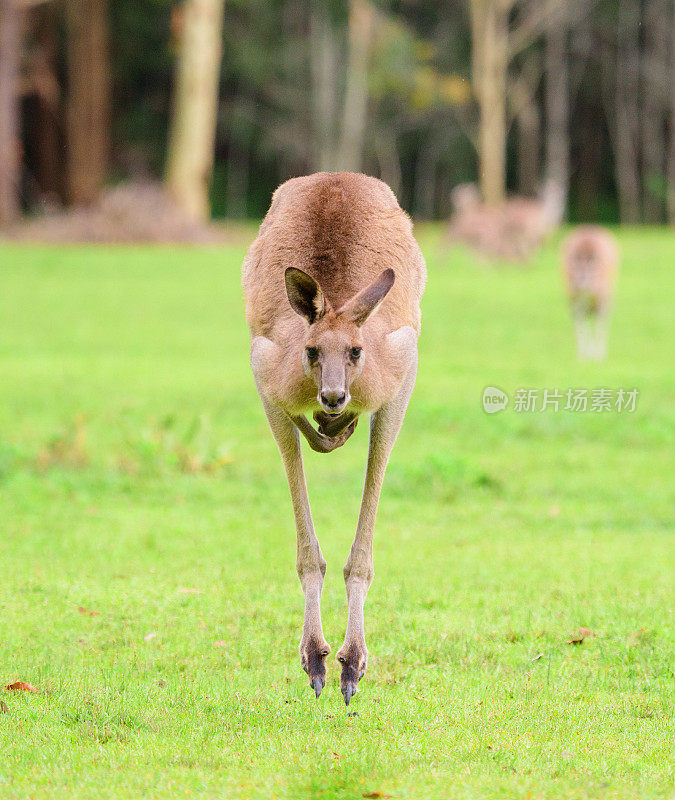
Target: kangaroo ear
305,295
363,304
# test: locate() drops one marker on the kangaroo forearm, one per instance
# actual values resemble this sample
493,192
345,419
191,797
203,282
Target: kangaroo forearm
334,426
318,441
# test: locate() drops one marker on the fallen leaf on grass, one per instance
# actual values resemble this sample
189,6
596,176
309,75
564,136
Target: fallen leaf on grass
189,590
20,686
376,794
579,636
4,709
84,610
220,643
149,637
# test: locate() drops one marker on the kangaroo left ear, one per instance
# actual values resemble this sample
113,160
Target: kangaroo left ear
366,302
305,295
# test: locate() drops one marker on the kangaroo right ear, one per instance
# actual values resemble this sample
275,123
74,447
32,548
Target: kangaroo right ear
304,295
363,304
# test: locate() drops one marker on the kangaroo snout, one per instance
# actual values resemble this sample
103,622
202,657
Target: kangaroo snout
333,400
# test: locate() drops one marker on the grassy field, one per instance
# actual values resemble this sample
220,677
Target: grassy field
147,549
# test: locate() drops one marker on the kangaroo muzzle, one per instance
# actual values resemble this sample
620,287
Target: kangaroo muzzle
333,401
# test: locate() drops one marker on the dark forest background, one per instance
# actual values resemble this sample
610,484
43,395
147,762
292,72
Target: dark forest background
426,94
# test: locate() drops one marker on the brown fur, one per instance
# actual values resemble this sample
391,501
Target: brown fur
590,262
343,229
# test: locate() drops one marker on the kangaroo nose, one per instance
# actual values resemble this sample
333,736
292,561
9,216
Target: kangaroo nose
333,399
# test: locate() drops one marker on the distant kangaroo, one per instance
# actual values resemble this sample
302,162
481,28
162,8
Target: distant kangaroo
514,230
590,261
332,286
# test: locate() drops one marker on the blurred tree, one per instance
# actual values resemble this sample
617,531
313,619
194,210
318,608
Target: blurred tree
626,109
657,79
304,85
88,98
10,25
193,123
324,59
671,151
557,103
143,49
490,59
355,109
43,167
522,94
501,30
637,97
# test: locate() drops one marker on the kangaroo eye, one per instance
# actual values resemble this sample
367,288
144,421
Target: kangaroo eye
355,352
312,353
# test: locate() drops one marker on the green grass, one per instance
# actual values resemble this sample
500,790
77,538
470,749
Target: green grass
135,463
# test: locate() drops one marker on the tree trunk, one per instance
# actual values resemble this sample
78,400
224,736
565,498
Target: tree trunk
355,112
9,113
528,149
589,166
324,62
41,104
87,108
424,188
388,161
489,24
658,21
193,123
557,101
670,189
236,189
626,101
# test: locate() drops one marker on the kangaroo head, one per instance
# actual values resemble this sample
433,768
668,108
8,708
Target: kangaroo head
333,354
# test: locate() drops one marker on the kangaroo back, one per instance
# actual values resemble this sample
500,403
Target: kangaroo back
342,229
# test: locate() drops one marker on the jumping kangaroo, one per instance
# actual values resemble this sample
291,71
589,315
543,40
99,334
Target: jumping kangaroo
590,260
332,285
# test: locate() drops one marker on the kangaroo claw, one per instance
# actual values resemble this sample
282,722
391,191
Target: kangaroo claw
349,689
313,659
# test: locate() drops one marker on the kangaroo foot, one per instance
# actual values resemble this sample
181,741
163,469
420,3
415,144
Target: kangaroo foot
313,660
354,660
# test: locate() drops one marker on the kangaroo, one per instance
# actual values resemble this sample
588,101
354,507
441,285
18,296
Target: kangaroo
590,260
332,287
514,230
